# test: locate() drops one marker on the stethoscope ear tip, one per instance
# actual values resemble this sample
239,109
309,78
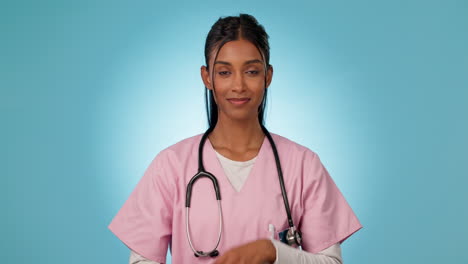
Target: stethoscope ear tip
214,254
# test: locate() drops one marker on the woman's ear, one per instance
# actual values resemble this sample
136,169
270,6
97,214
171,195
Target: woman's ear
205,77
269,75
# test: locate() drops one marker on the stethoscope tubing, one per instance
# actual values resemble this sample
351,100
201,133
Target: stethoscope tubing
280,177
187,231
202,173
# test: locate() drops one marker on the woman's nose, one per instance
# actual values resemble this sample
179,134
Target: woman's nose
238,84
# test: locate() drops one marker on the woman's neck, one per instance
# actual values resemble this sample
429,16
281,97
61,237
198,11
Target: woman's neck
237,140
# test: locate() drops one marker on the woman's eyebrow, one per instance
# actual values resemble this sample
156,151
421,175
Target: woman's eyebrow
246,62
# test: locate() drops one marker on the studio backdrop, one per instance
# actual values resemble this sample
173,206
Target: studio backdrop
91,91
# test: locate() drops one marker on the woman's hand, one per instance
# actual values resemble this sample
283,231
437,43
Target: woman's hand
257,252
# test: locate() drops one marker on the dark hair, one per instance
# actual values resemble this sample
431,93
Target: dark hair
228,29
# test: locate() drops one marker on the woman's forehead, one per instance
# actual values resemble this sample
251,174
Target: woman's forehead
238,52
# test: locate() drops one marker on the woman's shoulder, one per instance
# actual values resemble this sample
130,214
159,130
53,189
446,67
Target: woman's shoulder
182,145
185,143
291,146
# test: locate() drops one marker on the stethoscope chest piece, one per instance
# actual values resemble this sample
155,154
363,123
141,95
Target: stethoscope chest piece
291,237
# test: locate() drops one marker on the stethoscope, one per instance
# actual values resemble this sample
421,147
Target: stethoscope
290,236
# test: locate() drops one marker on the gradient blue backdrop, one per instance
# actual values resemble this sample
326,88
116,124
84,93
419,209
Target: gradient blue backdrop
91,91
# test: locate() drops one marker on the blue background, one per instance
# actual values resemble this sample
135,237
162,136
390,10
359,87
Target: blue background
91,91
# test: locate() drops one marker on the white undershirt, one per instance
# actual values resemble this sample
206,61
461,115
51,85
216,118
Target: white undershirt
237,172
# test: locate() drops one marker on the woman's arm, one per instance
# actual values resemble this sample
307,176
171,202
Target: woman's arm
284,254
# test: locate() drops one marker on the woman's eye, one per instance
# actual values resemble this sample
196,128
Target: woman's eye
225,73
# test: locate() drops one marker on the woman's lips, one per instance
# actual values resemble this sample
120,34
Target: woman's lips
238,101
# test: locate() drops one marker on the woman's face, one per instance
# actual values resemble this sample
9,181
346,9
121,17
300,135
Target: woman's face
238,75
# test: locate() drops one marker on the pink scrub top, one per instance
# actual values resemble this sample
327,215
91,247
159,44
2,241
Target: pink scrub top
153,217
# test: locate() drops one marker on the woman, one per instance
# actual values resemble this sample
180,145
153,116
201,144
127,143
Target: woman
243,156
